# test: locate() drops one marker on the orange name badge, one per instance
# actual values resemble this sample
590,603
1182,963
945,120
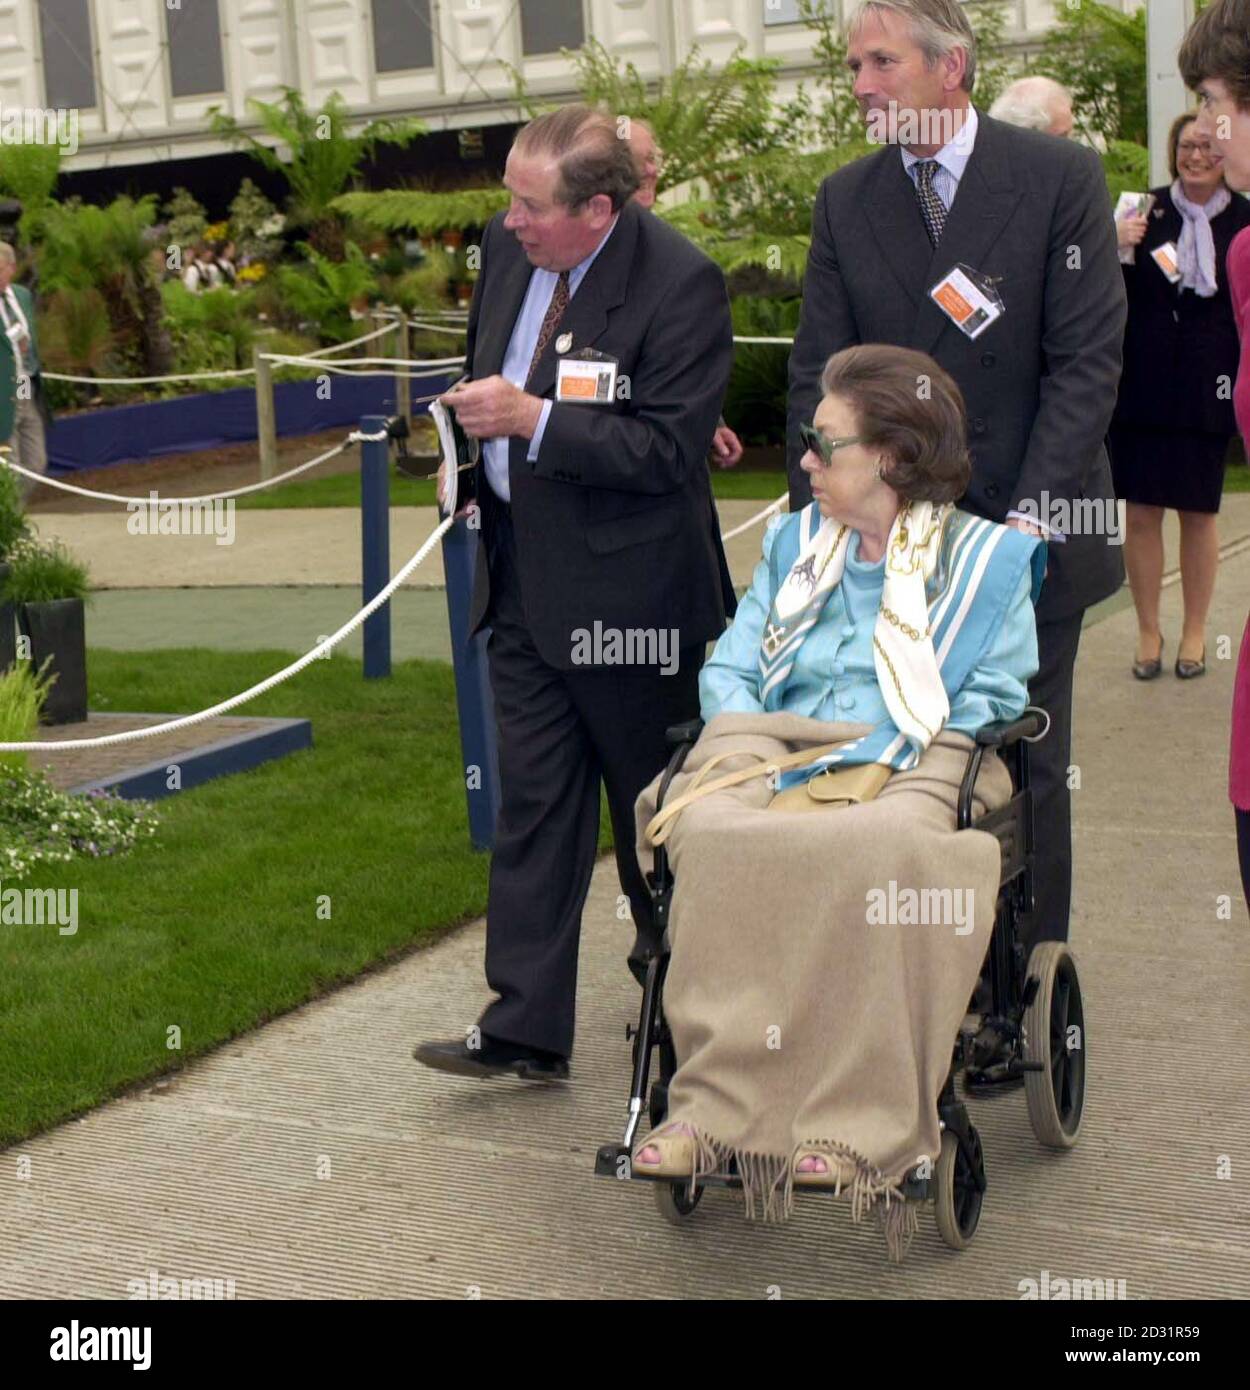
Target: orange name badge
589,381
969,300
1167,258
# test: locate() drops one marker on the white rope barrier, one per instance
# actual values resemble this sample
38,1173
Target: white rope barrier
457,329
322,648
758,517
388,366
352,342
145,380
352,438
205,376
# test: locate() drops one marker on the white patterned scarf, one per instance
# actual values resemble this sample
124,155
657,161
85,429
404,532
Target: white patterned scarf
907,667
1195,252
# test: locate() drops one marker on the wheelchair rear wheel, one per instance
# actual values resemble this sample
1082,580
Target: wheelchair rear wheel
1054,1035
675,1201
957,1193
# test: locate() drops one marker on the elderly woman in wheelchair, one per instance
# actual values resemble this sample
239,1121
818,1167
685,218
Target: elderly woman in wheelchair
821,964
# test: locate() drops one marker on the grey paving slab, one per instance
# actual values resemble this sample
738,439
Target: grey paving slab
314,1158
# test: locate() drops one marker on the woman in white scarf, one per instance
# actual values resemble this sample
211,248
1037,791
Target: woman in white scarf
1173,419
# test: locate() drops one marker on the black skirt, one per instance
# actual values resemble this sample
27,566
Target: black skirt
1183,469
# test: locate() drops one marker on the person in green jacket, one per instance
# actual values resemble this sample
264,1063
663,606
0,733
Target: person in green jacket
20,385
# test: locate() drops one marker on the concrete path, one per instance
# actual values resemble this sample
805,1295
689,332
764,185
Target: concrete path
314,1158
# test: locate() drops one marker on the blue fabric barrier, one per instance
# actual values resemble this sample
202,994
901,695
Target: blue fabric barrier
133,433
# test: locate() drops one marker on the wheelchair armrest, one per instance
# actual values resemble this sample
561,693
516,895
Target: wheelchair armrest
677,734
1032,724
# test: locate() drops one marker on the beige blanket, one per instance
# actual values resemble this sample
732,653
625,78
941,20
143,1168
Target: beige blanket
821,965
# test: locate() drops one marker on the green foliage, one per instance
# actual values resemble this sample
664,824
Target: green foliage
701,116
321,155
1099,53
13,524
755,403
425,286
211,330
40,825
75,335
321,294
423,212
255,224
1127,168
187,218
22,691
42,571
28,172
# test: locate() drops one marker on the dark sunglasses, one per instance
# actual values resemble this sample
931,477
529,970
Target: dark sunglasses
822,447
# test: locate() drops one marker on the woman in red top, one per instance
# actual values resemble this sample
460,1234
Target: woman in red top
1215,62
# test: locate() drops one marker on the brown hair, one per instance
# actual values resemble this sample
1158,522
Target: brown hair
909,408
592,155
1218,45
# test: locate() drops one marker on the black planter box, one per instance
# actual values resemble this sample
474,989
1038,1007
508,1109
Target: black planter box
58,630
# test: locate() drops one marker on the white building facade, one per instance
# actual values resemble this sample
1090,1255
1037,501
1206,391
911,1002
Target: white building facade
143,74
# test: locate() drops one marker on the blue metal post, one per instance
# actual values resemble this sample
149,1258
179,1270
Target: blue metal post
474,701
375,544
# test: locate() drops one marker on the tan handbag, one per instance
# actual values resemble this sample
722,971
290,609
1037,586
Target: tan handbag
845,786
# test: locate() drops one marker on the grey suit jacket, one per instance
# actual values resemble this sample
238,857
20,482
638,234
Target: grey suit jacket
1040,383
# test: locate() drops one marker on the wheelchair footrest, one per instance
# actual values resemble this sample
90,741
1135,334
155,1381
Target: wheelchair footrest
612,1161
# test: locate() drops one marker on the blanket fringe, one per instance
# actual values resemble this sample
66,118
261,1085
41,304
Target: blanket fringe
768,1184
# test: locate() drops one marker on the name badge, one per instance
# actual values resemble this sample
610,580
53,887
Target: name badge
968,299
590,380
1167,258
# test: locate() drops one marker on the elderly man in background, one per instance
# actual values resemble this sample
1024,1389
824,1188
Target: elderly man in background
17,318
1036,355
1037,103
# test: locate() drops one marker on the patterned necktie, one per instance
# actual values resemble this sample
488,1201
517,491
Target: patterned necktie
932,208
551,321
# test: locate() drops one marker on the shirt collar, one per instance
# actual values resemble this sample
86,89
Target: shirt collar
578,272
955,154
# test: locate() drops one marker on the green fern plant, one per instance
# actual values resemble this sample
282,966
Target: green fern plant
323,292
426,213
321,157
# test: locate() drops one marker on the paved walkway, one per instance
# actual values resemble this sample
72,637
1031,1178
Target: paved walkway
314,1158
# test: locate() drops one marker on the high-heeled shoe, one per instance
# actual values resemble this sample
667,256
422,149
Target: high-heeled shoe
1187,670
1149,670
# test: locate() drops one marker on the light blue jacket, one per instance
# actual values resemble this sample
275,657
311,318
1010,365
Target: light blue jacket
834,676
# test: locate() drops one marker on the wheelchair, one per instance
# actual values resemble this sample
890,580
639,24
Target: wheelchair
1031,1012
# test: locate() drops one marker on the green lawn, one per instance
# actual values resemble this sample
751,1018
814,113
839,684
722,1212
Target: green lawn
343,490
213,927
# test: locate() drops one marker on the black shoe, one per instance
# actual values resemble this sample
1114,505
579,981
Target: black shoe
494,1058
1149,670
1187,670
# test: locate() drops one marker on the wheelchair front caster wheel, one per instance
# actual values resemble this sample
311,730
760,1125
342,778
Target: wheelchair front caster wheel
1054,1036
675,1201
956,1189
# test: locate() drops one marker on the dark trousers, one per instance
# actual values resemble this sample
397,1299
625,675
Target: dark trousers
560,734
1049,761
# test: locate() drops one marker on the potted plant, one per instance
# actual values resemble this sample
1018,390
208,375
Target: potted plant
13,528
48,588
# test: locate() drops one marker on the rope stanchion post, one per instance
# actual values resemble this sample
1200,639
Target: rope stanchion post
375,543
266,417
475,703
403,381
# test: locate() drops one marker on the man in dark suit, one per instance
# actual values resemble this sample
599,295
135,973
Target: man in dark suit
599,571
1030,214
